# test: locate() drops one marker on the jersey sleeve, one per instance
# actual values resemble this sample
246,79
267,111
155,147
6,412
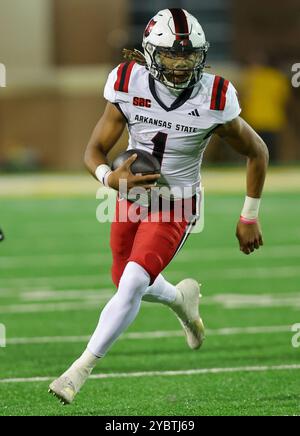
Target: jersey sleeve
232,106
110,94
116,89
224,101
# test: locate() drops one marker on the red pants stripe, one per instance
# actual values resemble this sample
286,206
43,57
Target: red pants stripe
150,244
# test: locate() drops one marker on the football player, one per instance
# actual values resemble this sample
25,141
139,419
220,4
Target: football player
171,108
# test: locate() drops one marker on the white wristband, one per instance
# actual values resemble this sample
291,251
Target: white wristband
251,208
102,172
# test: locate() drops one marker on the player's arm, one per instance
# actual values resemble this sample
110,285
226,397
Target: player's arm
242,138
105,135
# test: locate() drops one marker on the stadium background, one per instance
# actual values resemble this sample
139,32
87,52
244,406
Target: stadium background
54,262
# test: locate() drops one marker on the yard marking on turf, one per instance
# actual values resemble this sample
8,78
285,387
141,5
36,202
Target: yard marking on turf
151,335
226,273
29,282
166,373
85,294
91,300
263,273
49,307
206,254
11,262
240,301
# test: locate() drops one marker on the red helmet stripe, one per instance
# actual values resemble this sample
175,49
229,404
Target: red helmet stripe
181,24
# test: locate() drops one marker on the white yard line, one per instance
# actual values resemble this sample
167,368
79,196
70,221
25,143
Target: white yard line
59,301
152,335
80,294
240,301
51,307
202,371
225,253
254,273
11,262
211,253
261,273
71,280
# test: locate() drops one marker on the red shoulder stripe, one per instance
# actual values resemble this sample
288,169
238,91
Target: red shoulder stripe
127,76
223,95
214,92
218,98
123,76
119,74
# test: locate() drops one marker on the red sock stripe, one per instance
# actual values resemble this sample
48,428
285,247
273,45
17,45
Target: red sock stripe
218,98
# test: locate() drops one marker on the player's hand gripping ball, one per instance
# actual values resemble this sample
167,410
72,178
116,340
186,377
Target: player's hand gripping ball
139,168
144,164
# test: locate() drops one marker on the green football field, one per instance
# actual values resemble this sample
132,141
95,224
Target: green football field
55,278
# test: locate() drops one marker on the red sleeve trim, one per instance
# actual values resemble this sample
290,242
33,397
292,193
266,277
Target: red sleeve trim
218,98
123,76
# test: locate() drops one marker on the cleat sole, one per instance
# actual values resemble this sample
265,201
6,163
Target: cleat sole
60,398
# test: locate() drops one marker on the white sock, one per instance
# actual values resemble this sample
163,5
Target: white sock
86,361
162,291
121,310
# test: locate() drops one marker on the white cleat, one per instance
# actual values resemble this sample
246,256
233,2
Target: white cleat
66,387
186,309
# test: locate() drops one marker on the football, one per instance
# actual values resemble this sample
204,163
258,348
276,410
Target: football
144,164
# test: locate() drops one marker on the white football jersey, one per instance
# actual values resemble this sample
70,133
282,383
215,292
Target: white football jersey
176,130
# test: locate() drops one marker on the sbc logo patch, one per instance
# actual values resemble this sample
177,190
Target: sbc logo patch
141,102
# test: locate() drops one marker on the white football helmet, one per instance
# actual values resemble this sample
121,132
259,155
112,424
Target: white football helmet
175,48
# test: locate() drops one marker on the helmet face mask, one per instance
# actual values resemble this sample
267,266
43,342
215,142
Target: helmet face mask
179,69
177,60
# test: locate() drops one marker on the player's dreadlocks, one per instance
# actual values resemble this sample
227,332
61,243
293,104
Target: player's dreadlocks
134,55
